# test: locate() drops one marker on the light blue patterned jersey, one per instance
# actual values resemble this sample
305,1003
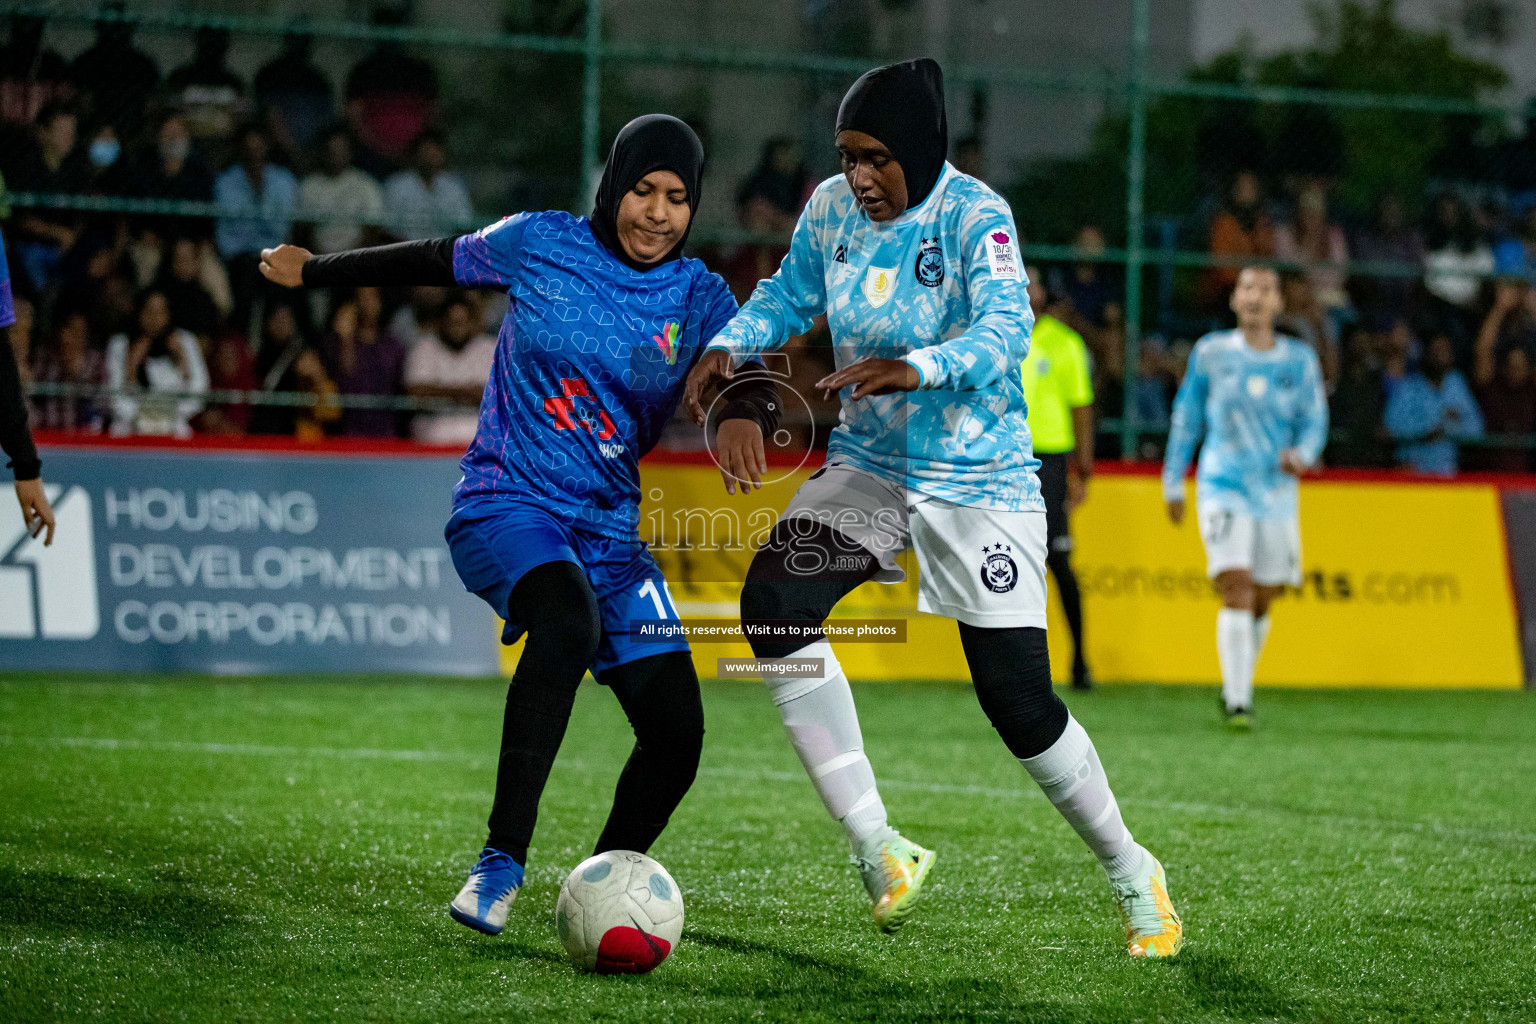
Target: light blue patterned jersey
1249,406
941,286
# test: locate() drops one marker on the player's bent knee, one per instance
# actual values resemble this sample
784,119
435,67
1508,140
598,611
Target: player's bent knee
1011,669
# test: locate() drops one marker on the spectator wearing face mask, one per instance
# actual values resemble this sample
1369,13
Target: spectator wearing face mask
173,170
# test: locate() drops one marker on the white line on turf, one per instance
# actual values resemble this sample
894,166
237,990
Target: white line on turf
936,788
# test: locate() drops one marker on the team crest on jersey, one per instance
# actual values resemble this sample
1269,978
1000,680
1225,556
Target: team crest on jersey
879,285
1257,386
930,263
999,572
840,255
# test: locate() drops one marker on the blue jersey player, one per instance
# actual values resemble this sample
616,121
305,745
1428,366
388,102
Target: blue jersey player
1256,399
606,320
917,269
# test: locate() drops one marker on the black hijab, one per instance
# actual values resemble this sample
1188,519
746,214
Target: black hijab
902,107
654,142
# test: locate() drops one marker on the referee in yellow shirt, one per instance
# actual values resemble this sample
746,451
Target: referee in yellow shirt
1059,390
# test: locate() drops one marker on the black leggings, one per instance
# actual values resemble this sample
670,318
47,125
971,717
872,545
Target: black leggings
1011,668
659,694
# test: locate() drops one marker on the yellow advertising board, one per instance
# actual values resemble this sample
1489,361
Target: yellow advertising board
1406,585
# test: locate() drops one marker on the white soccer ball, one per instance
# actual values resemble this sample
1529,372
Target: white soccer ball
619,913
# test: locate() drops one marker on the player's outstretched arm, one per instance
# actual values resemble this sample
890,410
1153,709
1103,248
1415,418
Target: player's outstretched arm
401,265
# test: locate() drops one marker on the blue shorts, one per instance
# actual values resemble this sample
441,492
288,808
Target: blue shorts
492,550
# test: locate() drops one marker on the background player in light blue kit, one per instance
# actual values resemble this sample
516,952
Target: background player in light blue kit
1256,398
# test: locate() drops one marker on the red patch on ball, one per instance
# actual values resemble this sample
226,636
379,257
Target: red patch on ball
625,950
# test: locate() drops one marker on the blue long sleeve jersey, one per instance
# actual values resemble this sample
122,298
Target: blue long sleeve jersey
1249,406
941,286
590,364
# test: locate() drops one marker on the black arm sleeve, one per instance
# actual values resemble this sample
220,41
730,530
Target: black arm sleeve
15,438
754,396
402,265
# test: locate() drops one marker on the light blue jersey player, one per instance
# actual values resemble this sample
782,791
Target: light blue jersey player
1256,399
917,268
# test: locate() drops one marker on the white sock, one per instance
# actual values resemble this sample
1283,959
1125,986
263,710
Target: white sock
1235,638
1073,780
1260,635
823,726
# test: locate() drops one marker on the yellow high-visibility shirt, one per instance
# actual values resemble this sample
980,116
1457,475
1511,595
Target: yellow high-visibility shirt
1056,381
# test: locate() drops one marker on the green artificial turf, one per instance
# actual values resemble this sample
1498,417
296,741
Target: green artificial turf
284,849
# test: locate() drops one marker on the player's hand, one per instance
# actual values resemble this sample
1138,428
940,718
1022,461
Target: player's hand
36,513
740,443
873,377
1176,511
284,265
715,366
1291,462
1077,490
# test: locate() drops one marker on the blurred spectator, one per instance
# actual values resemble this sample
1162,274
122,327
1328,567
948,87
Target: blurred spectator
1388,239
107,171
1431,410
1357,405
180,281
1240,231
1456,259
285,361
207,93
294,99
753,261
391,99
1317,242
1153,381
157,376
230,368
74,361
51,163
365,361
971,157
778,183
1306,320
114,80
344,203
1515,256
1089,284
1398,350
415,317
1502,377
256,207
454,363
427,201
172,170
31,74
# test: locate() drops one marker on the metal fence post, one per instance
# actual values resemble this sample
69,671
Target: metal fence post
1135,215
591,103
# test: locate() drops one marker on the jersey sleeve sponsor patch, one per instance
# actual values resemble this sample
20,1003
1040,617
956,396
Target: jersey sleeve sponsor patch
1003,255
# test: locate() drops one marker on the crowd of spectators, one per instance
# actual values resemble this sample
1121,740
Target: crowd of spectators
1431,344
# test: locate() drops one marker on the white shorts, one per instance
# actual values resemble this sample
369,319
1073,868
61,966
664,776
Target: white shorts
1270,549
981,566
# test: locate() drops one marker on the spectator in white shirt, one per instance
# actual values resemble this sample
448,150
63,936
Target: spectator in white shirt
344,203
427,200
157,378
454,363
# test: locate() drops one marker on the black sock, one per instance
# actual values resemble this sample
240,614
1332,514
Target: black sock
660,694
1012,672
556,605
1060,563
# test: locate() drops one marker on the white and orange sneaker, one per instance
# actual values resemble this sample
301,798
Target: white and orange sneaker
893,869
1152,926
